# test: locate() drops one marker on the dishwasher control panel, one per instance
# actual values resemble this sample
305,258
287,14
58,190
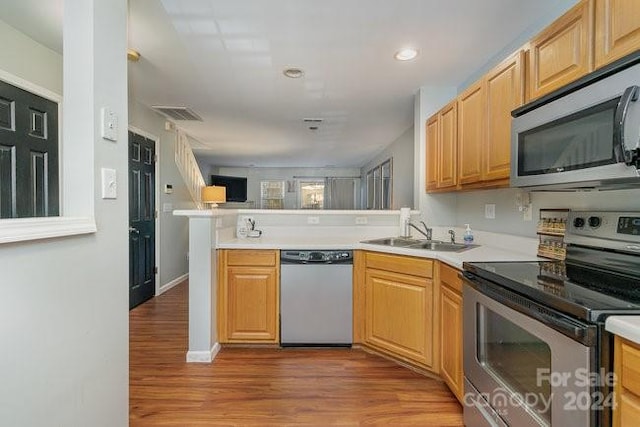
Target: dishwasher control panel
316,256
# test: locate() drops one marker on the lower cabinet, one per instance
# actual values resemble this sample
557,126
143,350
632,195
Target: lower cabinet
451,360
399,308
627,386
248,295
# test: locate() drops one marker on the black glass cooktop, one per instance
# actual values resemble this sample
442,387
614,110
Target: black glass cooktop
584,292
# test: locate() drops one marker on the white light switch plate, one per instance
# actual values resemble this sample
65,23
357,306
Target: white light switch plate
109,124
109,184
361,220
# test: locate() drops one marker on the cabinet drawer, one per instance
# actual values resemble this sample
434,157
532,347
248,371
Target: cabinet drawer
630,374
250,257
450,277
629,409
420,267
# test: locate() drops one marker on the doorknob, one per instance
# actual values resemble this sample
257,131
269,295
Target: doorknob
134,230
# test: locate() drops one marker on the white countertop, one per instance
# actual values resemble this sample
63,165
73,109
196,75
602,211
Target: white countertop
481,253
625,326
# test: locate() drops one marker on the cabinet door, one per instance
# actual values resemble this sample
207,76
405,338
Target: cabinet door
617,29
451,340
447,146
505,92
399,315
471,125
562,52
252,304
432,153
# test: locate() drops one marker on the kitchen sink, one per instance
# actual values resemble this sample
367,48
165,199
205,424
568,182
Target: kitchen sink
429,245
394,241
443,246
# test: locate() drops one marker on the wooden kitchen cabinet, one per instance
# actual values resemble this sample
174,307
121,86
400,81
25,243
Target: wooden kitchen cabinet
248,296
627,386
400,308
562,52
442,148
471,133
451,356
432,153
504,93
617,30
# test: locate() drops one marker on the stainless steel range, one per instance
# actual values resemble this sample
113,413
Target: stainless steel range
535,349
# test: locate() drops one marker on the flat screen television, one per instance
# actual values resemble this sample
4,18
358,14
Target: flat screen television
236,187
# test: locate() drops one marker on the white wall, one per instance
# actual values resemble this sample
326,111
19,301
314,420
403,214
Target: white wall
64,305
255,175
401,150
174,230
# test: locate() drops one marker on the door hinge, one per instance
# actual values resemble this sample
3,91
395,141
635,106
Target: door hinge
155,214
155,270
155,158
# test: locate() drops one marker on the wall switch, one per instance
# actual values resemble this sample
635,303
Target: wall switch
313,220
490,211
527,213
109,184
109,124
361,220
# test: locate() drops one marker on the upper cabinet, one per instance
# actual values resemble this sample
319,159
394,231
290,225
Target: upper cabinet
471,132
441,149
505,92
562,52
617,29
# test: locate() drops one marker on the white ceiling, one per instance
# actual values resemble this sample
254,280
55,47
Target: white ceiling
224,59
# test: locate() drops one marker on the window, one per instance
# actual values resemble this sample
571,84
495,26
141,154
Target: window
312,194
272,194
380,186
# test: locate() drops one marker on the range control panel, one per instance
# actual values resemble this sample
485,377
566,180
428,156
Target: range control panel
603,229
316,256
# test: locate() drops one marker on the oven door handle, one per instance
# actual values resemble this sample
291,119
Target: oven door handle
620,148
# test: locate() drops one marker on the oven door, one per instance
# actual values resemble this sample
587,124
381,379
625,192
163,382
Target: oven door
518,370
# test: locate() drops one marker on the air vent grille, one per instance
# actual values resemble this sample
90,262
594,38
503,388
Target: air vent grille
177,113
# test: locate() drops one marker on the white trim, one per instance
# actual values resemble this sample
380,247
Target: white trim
156,140
203,356
30,87
23,229
164,288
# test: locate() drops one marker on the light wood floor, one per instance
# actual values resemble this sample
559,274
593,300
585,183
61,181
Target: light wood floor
269,387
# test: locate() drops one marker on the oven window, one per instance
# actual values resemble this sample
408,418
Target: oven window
514,356
578,141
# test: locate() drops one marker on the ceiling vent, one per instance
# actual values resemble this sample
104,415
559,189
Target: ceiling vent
177,113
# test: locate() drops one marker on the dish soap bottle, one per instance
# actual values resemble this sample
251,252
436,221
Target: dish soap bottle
468,235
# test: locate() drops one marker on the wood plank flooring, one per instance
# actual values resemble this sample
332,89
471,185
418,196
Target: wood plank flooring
269,387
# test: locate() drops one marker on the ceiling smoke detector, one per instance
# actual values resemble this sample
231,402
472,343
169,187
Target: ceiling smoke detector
293,73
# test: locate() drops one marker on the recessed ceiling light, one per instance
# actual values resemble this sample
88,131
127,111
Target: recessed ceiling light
406,54
293,73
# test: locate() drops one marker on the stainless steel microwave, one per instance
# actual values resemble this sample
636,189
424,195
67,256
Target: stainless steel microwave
586,138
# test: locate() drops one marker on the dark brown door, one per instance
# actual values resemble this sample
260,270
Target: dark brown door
28,154
142,277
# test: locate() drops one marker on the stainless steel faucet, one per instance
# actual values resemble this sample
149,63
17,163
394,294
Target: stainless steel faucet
453,236
428,232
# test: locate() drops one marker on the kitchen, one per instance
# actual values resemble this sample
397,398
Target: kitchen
454,209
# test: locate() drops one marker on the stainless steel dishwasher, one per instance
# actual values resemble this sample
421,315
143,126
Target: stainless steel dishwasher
316,298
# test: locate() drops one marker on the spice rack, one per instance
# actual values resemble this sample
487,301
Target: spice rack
551,228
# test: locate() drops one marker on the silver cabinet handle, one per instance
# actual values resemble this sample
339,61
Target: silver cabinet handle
134,230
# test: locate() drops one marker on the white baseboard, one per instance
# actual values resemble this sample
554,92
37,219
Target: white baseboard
164,288
203,356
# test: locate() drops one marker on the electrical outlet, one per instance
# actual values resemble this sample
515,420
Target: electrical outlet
313,220
490,211
361,220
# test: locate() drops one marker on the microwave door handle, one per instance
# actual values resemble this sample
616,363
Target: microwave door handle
622,154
